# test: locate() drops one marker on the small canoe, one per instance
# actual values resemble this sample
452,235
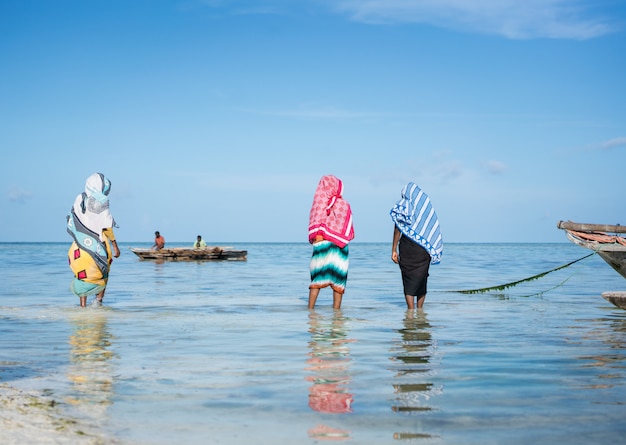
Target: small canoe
191,254
598,238
616,298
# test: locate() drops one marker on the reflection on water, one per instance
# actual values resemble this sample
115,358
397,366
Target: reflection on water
217,353
412,356
90,365
329,360
610,335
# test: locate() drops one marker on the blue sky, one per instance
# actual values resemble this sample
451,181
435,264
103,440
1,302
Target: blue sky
219,117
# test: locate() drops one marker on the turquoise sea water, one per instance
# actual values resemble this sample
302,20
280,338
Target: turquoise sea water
197,353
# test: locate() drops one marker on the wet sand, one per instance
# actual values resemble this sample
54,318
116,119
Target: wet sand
31,417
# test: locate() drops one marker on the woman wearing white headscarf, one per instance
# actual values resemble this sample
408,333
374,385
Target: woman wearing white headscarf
91,226
417,241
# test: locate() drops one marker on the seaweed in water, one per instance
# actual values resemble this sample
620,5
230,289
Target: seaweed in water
515,283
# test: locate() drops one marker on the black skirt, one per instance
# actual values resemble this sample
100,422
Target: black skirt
414,264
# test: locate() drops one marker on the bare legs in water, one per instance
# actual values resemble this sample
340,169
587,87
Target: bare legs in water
313,293
410,301
99,297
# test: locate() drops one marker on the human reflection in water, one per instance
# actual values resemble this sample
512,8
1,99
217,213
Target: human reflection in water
412,357
90,362
329,361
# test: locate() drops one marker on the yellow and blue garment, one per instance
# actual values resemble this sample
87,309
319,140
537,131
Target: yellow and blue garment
89,258
90,225
416,219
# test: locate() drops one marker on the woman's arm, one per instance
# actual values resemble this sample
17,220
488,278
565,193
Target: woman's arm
394,244
116,250
111,237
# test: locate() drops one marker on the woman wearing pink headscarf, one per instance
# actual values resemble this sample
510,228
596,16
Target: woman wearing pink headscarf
330,231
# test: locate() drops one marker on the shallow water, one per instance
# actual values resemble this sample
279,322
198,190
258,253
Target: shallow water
227,353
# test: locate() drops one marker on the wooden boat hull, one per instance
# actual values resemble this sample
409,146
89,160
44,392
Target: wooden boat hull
613,254
616,298
583,227
191,254
611,248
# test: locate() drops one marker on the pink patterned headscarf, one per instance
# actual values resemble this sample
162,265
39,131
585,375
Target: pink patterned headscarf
330,215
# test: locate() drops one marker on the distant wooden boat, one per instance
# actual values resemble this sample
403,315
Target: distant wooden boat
191,254
596,237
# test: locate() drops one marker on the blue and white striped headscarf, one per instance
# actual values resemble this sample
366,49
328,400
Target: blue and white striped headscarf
416,219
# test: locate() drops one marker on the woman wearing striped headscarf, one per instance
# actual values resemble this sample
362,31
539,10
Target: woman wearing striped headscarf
417,242
330,231
90,224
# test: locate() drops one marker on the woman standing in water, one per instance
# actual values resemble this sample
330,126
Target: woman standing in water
417,242
330,231
91,226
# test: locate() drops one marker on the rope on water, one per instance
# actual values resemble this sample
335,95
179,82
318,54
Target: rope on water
540,293
515,283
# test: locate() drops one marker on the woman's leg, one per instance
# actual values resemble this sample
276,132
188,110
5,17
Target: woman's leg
313,293
410,301
337,296
100,296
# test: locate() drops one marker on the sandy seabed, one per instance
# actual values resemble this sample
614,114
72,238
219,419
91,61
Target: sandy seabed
28,417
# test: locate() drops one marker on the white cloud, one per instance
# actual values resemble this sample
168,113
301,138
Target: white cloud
250,7
317,113
17,194
608,145
331,112
619,142
495,167
514,19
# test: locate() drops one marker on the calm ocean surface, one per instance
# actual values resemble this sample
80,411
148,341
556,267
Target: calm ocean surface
197,353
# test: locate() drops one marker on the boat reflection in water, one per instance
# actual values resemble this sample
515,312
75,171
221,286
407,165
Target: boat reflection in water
412,357
329,361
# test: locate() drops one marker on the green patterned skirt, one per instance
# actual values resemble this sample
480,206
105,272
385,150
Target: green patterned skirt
329,266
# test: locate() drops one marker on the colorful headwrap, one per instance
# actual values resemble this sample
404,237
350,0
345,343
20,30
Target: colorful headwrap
89,216
416,219
330,215
92,205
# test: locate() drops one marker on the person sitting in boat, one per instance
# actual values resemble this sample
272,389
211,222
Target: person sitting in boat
199,243
159,241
